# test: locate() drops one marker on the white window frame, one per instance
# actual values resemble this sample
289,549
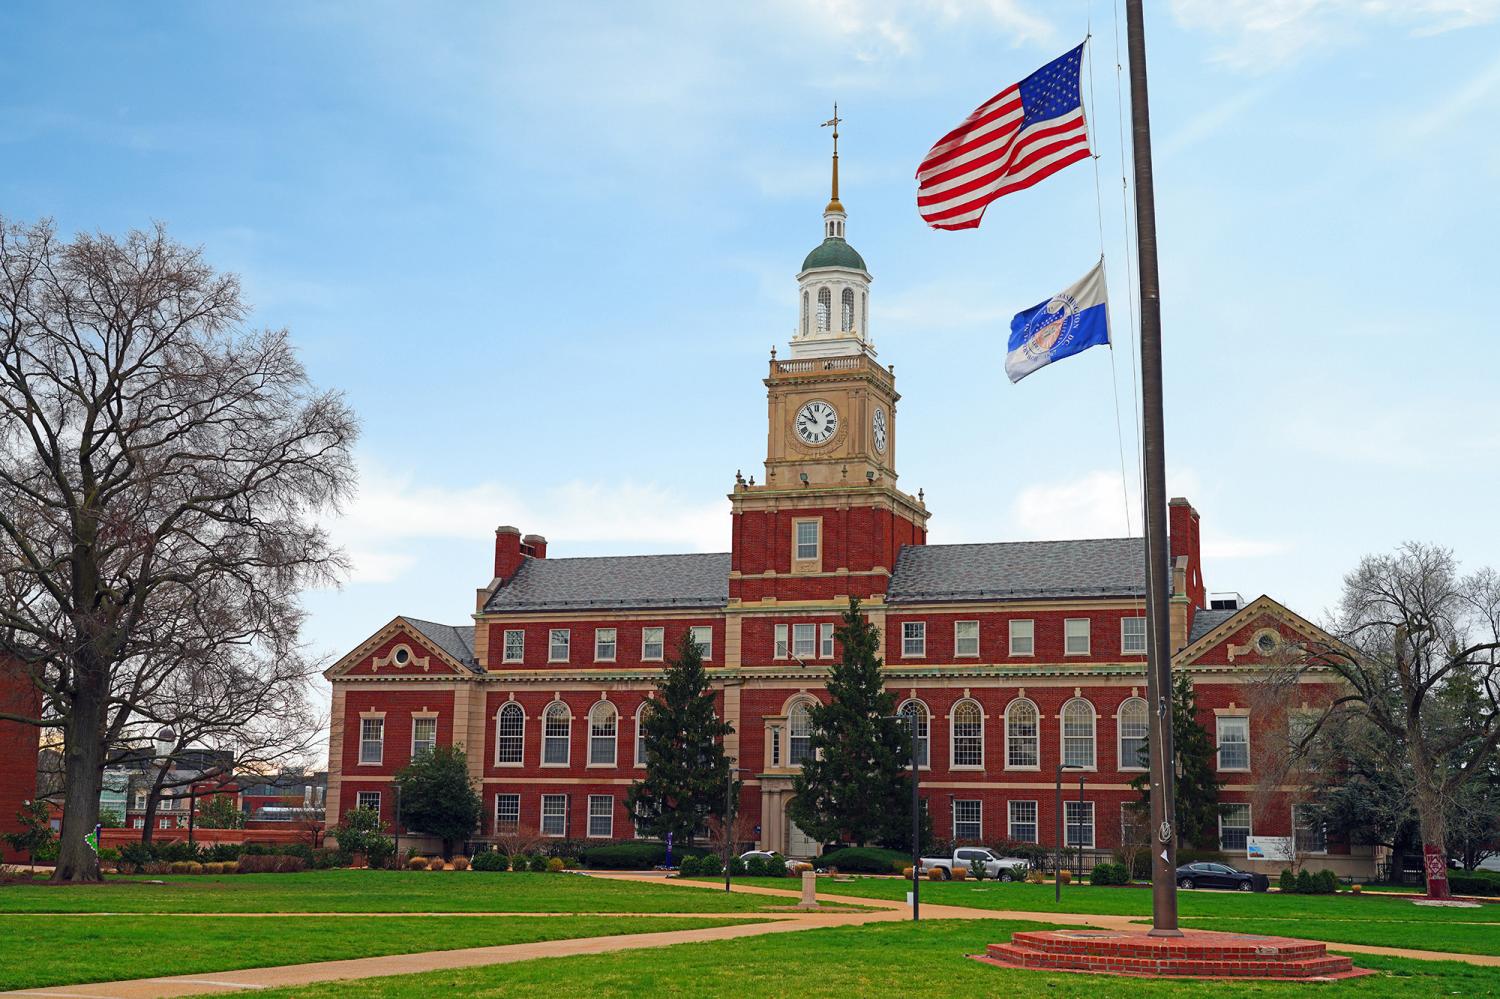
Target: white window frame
1027,625
782,645
505,648
799,546
1011,822
1011,740
1125,645
958,649
1297,828
553,644
1069,626
639,745
825,641
499,734
953,735
1125,758
804,637
924,731
361,796
913,639
1234,721
378,741
418,720
597,740
661,644
560,813
976,820
706,642
1069,827
499,820
608,801
1249,825
549,737
792,713
612,641
1093,736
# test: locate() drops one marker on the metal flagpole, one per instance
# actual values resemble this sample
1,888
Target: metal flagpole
1158,632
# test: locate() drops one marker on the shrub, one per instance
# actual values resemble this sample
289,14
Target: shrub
437,864
1139,866
1479,883
755,867
1109,874
737,867
801,867
1065,876
222,852
959,874
865,860
180,867
776,866
1304,882
626,856
1035,876
271,864
1325,882
1287,882
689,867
194,867
539,864
460,863
417,864
231,866
555,865
906,872
1355,889
570,863
213,867
490,860
934,874
709,865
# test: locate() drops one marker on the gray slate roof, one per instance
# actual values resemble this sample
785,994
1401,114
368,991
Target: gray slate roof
458,642
1205,621
1103,567
616,581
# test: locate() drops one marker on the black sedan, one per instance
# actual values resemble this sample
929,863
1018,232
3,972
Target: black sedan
1206,875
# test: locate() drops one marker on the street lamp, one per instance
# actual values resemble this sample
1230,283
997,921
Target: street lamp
910,717
729,819
1061,845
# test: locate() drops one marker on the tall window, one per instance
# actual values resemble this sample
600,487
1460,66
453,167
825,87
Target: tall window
1312,836
507,812
371,740
556,722
864,314
510,734
825,309
604,721
703,637
558,642
653,644
515,645
1301,740
604,645
1133,725
1078,818
1234,827
1021,735
807,540
1023,821
601,816
1076,636
799,730
1133,635
923,725
826,649
1022,638
640,735
968,735
1078,733
368,799
914,638
804,313
967,820
782,649
554,815
846,310
966,638
423,735
805,640
1234,743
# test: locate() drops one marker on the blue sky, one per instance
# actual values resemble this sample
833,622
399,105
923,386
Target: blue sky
546,248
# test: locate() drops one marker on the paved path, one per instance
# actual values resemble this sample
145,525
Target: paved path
880,910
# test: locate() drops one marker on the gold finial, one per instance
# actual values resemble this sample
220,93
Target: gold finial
833,201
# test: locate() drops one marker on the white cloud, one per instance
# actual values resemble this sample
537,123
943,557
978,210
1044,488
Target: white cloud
879,30
1092,506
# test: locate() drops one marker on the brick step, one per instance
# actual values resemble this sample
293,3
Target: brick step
1206,965
1223,945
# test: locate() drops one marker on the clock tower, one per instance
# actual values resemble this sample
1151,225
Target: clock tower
828,520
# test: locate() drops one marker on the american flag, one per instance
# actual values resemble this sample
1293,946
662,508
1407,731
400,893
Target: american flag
1022,135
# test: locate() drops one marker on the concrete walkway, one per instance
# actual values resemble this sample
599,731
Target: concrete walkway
880,910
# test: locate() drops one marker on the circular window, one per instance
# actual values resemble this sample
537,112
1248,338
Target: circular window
402,656
1266,642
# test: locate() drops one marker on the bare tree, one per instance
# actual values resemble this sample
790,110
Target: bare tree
162,475
1418,657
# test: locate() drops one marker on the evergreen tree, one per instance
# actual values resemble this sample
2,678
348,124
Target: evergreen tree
1197,781
856,784
686,769
437,796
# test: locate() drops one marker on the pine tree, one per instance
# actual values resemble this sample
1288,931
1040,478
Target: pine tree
686,769
856,784
1197,783
438,798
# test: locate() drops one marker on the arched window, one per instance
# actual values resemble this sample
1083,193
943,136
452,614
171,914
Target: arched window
1078,733
556,723
1133,724
968,735
510,734
604,722
846,310
923,728
640,735
864,314
799,730
825,309
805,306
1021,735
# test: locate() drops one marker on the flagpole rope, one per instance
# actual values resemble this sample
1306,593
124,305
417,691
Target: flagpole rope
1114,378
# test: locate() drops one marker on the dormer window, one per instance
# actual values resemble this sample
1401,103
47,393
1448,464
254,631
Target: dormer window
825,309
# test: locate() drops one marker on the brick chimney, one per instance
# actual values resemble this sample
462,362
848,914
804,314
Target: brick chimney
507,552
1182,535
534,545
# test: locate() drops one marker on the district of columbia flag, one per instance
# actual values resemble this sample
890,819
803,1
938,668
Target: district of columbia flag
1068,323
1022,135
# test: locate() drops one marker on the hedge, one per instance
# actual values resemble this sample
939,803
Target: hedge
635,856
1109,874
1474,882
865,860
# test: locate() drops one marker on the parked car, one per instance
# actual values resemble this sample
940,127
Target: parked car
967,857
765,855
1208,875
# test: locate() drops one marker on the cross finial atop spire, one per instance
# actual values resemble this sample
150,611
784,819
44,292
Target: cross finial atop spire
833,201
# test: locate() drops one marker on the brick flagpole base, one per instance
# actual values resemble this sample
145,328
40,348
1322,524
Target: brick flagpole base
1196,954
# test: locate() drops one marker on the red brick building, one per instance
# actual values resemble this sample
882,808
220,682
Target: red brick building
1016,655
18,748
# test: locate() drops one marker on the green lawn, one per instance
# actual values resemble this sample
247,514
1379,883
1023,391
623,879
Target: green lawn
40,950
869,962
375,891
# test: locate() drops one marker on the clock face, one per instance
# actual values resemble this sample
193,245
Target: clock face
817,422
879,430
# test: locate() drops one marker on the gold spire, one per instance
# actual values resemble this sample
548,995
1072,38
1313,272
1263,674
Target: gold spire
833,201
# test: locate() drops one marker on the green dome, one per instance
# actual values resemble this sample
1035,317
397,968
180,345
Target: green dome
834,252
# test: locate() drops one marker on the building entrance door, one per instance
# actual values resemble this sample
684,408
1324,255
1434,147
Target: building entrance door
799,843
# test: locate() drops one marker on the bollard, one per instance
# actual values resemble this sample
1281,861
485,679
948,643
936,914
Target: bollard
809,891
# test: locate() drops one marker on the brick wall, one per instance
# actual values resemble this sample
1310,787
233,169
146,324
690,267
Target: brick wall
18,748
994,635
398,703
582,645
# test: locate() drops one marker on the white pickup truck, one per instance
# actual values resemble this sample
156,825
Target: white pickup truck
975,859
